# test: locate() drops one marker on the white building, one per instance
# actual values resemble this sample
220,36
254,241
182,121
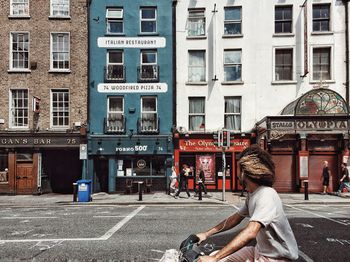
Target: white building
241,61
257,51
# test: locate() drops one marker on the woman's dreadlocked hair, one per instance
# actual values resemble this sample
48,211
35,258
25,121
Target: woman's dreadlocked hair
257,165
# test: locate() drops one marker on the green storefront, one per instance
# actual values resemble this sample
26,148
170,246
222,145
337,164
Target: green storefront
117,164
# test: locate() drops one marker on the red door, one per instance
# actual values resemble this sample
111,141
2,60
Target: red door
315,172
25,179
285,173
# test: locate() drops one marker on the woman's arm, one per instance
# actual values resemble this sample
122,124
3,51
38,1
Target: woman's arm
242,239
227,224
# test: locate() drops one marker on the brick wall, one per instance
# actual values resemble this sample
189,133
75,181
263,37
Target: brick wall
39,81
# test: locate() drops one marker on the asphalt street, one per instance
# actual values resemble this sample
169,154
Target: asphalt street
144,233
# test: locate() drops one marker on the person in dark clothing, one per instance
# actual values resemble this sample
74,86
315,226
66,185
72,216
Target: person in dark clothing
344,181
325,176
183,180
201,182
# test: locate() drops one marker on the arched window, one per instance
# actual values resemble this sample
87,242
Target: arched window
317,102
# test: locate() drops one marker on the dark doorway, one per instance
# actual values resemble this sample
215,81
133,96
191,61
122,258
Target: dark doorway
101,171
62,168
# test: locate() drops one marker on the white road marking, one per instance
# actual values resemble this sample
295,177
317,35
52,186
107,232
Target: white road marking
41,235
106,236
114,229
28,217
42,246
158,251
236,207
16,233
318,215
304,256
170,255
341,241
49,240
108,216
305,225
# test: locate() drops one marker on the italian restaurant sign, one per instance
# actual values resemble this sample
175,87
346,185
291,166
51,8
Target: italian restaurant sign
131,42
207,145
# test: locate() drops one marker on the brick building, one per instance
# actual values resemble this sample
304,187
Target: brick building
43,94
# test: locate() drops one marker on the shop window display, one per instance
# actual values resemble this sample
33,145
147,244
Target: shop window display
141,166
3,168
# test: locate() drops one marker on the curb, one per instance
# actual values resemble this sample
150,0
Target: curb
316,203
130,203
140,203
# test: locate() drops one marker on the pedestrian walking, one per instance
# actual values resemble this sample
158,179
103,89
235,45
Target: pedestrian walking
344,181
268,224
183,184
201,182
173,180
326,173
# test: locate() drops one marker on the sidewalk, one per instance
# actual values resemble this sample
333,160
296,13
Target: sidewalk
160,198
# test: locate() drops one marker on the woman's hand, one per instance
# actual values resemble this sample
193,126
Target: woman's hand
202,237
207,259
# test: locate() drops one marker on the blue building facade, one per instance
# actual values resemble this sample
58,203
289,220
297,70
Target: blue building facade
130,94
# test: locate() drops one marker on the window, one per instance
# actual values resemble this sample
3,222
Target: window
149,119
19,108
233,113
148,67
4,177
283,19
232,65
19,7
114,19
233,21
196,22
196,66
321,63
283,64
148,17
59,108
60,8
115,114
60,51
196,113
151,165
321,18
19,51
115,66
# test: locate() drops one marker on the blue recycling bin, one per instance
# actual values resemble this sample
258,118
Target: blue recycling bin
84,190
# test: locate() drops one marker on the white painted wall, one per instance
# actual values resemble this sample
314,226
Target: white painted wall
260,96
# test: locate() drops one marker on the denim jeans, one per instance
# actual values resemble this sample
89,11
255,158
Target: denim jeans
342,185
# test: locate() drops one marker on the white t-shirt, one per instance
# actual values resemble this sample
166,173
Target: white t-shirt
275,239
173,175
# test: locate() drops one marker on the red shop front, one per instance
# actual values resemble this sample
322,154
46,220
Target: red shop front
199,150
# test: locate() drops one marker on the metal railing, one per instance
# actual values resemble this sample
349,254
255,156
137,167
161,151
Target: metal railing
148,73
147,125
116,125
114,73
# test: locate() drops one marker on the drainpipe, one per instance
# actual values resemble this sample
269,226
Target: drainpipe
86,161
88,4
174,61
347,97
